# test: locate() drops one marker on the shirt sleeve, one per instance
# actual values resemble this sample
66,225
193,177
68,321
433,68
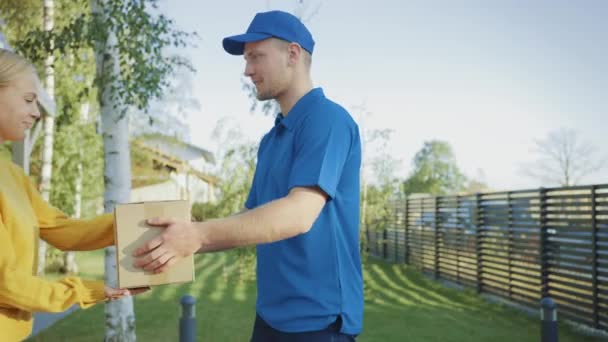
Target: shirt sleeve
22,290
251,201
65,233
322,148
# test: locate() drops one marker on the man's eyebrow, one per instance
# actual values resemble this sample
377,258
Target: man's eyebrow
249,53
32,95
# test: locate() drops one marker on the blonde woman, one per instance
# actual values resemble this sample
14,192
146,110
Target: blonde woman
25,217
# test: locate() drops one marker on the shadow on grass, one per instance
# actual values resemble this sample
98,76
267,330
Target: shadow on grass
401,305
225,308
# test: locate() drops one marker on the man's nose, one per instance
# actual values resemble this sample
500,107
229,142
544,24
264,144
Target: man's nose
248,70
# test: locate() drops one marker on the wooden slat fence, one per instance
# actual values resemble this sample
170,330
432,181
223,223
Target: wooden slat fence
521,245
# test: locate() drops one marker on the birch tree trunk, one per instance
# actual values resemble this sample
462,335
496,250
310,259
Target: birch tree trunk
120,318
49,125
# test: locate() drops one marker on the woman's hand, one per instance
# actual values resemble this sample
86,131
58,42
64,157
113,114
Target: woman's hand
112,293
134,291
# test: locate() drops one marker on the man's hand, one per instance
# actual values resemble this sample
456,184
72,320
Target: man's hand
178,240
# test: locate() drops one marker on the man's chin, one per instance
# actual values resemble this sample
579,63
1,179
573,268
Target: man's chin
263,97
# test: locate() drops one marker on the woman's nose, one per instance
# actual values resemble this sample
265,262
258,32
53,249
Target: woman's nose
36,111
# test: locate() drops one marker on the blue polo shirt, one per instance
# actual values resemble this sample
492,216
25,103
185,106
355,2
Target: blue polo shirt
307,281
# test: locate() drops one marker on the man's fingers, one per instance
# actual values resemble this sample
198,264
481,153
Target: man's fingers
157,262
164,267
160,221
163,222
149,246
148,258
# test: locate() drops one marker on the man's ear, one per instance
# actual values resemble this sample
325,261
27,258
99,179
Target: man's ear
294,51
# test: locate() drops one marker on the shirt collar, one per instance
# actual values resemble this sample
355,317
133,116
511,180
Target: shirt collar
300,109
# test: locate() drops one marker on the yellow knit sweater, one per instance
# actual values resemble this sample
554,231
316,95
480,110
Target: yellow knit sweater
24,217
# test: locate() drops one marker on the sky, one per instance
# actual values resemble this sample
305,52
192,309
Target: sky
488,77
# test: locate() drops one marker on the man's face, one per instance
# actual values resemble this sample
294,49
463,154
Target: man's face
18,107
267,65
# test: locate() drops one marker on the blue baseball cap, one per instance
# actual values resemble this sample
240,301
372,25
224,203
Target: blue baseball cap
265,25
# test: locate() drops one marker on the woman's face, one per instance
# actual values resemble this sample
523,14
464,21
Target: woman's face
18,107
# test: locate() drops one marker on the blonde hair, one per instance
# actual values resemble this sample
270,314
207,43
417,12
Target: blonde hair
12,66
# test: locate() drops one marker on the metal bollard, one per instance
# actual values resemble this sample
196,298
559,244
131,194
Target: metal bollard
548,318
187,323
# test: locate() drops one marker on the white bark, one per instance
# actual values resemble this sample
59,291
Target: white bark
69,260
49,125
120,318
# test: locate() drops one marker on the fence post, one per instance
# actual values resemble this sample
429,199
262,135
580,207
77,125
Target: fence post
421,241
384,244
594,256
548,320
406,252
396,209
367,242
543,241
459,238
187,323
510,243
377,242
436,237
478,241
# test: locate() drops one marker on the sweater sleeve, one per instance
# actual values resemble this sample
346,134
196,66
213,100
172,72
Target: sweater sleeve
69,234
22,290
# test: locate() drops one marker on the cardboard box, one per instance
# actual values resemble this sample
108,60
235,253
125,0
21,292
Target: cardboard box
132,232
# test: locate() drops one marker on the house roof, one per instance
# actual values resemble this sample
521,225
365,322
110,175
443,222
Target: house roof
167,156
178,149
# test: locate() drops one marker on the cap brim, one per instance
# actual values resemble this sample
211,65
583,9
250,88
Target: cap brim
235,45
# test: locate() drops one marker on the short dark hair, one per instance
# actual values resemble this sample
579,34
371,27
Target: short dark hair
307,57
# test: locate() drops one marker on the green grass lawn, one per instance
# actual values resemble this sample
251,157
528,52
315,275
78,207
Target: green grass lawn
401,305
